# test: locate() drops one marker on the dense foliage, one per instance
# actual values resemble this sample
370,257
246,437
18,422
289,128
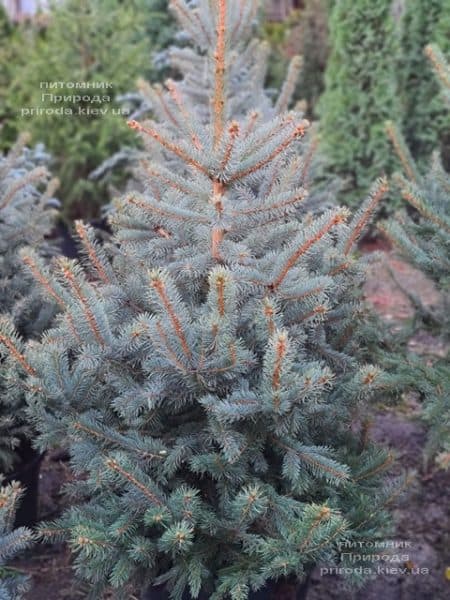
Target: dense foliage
10,39
422,235
207,380
425,119
13,584
360,94
25,217
65,90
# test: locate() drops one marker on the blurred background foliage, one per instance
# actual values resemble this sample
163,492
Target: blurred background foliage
95,42
362,63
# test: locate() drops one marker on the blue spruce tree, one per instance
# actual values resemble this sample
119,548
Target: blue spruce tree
26,216
13,584
207,379
423,238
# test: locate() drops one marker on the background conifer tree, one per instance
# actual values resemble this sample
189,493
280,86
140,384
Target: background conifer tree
426,121
360,94
26,216
87,42
207,379
13,584
423,237
10,37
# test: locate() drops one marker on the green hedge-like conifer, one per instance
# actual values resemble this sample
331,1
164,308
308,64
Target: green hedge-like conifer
360,94
425,118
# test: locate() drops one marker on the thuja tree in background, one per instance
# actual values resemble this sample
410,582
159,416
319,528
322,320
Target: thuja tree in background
423,237
13,584
26,216
207,380
360,94
10,37
425,119
86,43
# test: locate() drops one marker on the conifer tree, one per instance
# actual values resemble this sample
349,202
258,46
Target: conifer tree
10,36
93,51
423,237
426,121
26,215
208,379
13,584
360,94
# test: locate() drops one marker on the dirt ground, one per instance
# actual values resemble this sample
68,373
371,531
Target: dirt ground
422,517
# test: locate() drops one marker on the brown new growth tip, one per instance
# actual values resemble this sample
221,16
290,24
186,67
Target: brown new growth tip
159,287
168,145
438,65
336,219
16,354
219,75
42,280
280,353
298,132
400,150
233,131
376,196
324,515
76,288
220,287
176,97
89,248
35,176
114,465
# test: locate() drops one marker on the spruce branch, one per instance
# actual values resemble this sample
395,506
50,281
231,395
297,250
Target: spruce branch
385,464
187,118
251,122
413,196
116,467
402,150
219,74
296,133
337,218
167,178
295,198
233,134
68,275
280,346
324,514
40,275
32,177
158,92
361,219
439,64
168,145
98,262
23,139
14,345
162,209
158,284
288,89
